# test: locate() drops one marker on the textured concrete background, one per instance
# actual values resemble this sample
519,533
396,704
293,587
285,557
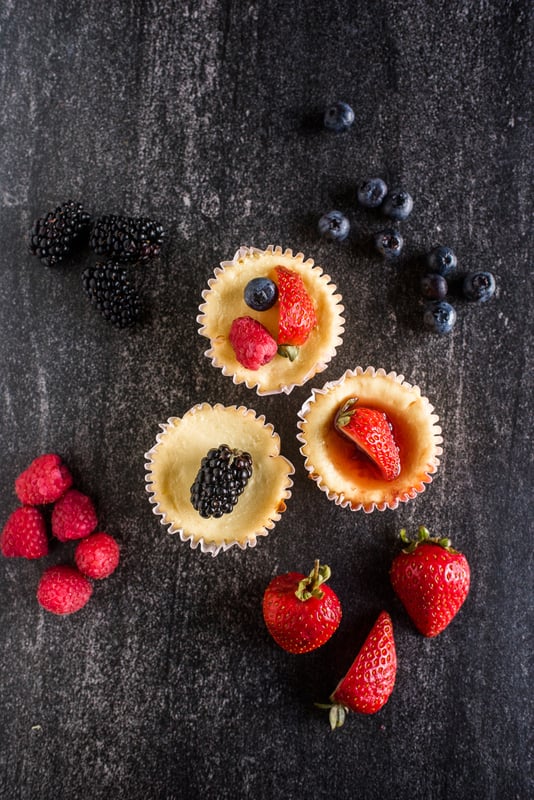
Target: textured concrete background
203,115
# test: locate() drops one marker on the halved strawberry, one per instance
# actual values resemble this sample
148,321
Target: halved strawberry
371,432
297,317
368,684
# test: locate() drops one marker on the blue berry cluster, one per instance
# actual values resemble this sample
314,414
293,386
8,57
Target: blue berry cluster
372,193
439,315
396,204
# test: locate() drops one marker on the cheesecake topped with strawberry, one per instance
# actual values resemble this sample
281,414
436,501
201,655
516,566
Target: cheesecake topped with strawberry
273,319
369,440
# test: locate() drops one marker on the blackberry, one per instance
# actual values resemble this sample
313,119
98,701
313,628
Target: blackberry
59,233
221,479
126,239
109,290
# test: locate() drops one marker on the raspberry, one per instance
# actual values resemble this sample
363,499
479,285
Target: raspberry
253,344
97,556
73,516
63,590
24,534
44,481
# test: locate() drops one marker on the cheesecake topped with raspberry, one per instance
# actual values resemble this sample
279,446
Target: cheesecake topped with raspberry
273,319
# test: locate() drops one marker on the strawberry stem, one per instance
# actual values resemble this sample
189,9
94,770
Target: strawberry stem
337,713
423,535
311,586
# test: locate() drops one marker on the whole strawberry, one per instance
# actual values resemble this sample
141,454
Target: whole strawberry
63,590
252,343
368,684
372,433
297,317
24,534
431,579
301,612
97,556
73,516
44,481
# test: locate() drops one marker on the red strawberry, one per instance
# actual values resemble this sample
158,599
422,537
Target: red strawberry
44,481
371,432
370,680
73,516
24,534
63,590
432,581
253,344
301,612
97,556
297,317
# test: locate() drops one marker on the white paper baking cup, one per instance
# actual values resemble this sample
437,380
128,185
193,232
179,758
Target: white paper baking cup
173,462
223,302
409,411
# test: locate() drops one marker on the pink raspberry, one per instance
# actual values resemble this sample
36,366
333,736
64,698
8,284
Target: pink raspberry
253,344
97,556
73,516
63,590
24,534
44,481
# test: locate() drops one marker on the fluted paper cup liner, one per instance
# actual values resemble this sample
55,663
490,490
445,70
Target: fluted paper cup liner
347,477
223,302
173,463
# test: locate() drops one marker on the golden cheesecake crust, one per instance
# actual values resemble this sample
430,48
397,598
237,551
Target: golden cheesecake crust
335,463
175,459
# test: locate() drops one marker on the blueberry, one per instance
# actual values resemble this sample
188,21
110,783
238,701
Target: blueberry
334,226
434,286
398,204
261,294
389,243
338,117
372,192
439,317
442,260
478,286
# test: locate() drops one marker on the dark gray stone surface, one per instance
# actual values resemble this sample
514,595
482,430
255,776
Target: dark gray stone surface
202,114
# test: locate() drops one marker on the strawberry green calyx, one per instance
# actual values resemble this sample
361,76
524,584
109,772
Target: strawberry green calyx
337,713
311,586
345,413
290,351
423,536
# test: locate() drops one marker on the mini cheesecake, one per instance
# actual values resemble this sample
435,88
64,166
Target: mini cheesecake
340,469
173,464
223,302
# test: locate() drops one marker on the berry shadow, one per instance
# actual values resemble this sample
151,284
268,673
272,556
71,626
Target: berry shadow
312,123
405,293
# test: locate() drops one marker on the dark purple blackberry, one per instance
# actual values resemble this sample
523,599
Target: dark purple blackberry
221,479
109,290
61,232
126,239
